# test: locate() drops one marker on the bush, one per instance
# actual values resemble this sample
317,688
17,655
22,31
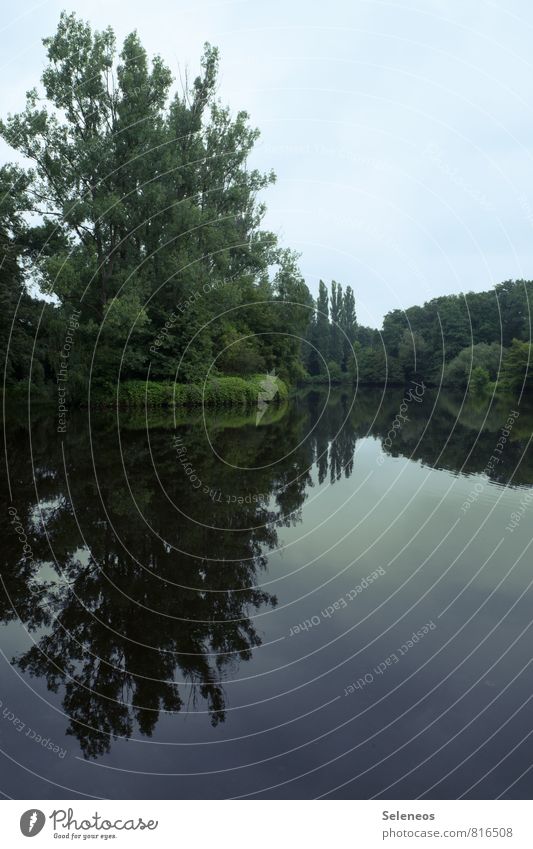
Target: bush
460,370
480,380
217,392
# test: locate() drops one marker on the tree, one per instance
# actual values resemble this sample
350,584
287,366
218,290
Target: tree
319,333
412,355
20,313
460,370
153,208
336,348
480,380
517,371
348,326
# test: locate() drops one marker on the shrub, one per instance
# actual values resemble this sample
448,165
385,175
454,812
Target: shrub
217,392
480,380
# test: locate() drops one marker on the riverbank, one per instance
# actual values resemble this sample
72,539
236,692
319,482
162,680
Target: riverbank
218,392
254,391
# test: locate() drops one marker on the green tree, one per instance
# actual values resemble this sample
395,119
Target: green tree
517,371
349,327
480,380
20,313
154,211
336,348
319,333
460,370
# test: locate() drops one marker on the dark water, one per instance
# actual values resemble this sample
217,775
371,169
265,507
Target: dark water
217,608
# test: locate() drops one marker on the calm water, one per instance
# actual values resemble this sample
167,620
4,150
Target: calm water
217,608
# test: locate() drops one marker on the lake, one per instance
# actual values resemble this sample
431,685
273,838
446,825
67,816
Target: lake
331,598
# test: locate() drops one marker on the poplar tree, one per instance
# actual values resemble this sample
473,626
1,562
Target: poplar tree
154,208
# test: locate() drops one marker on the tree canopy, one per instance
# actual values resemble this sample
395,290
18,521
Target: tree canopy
153,213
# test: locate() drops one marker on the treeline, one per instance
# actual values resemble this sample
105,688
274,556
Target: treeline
463,340
474,340
139,221
149,228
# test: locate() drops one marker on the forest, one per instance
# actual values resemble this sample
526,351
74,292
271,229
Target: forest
477,340
133,253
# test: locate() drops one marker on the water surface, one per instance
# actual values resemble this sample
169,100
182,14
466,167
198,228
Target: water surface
323,603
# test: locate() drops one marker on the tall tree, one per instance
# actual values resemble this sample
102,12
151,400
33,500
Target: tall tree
320,334
156,206
336,338
18,310
348,326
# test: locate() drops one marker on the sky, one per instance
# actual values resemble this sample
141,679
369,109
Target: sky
401,132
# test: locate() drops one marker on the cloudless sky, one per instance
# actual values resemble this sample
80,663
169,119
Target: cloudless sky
401,132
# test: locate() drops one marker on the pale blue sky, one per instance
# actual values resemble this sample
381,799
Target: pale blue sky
401,132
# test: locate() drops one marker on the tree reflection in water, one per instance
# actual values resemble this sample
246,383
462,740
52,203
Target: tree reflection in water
141,586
